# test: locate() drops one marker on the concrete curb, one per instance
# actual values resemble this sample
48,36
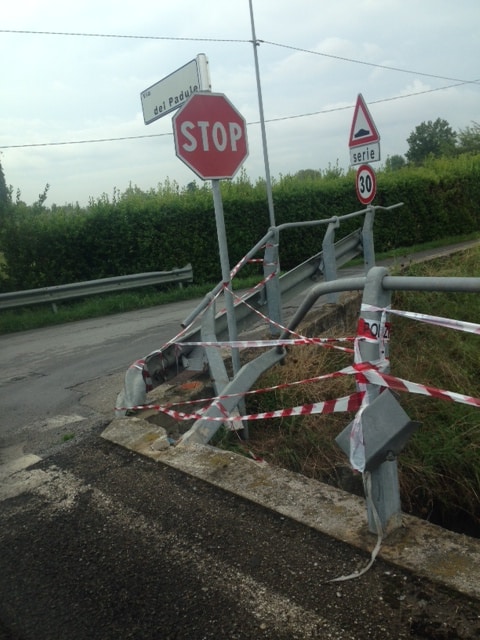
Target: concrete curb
426,550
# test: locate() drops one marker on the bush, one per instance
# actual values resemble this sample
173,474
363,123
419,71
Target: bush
168,227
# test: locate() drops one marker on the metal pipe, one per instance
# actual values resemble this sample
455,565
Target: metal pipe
268,180
346,284
431,283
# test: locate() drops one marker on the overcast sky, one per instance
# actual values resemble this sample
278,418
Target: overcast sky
315,58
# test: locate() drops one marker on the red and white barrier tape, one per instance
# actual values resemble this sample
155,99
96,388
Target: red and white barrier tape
140,364
347,403
336,374
364,372
368,373
324,342
245,260
459,325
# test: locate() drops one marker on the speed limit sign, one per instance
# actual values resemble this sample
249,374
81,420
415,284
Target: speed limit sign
366,183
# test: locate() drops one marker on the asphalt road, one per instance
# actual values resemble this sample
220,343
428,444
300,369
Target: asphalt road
41,369
97,542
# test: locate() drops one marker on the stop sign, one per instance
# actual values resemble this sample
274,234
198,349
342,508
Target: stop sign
210,136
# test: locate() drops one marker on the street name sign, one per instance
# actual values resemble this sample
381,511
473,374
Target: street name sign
210,136
175,89
364,141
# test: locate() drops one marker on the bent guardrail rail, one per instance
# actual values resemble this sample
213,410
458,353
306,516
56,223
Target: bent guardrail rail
60,292
267,298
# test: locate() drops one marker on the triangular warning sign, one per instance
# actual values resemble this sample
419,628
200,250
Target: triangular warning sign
363,129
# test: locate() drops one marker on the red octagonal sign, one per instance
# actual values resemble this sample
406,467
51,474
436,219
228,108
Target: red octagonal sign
210,136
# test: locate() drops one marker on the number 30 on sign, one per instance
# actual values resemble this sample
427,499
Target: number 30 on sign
366,184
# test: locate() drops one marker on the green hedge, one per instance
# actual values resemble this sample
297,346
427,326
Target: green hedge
168,227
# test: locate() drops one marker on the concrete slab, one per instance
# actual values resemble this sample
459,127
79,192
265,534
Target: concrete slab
426,550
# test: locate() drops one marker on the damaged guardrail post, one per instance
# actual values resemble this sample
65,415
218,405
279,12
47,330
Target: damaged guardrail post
271,265
367,239
385,487
329,258
385,426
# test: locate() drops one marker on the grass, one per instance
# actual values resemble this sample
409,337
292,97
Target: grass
35,317
440,467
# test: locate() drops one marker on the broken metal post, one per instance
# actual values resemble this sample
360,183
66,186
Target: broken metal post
367,239
384,477
329,258
272,284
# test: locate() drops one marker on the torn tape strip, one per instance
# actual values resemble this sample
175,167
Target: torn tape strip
364,372
347,403
283,385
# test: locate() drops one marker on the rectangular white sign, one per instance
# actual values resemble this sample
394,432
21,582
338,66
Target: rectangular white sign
172,91
365,153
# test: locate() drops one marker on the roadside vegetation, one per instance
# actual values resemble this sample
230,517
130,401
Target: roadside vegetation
44,315
440,467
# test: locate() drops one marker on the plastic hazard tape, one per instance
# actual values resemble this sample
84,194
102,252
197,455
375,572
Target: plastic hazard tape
140,364
325,342
459,325
283,385
347,403
246,260
373,331
368,373
365,373
303,339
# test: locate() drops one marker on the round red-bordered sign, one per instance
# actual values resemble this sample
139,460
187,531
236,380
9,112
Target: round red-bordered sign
366,183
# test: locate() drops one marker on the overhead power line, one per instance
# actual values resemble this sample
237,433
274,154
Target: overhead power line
238,40
280,119
117,35
369,64
458,82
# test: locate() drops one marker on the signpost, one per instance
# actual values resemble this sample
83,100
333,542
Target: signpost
211,138
175,89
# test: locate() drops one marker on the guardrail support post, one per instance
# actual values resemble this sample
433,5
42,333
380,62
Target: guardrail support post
367,239
385,491
329,258
272,285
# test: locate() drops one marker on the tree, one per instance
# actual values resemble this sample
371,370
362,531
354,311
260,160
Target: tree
39,204
4,192
469,139
5,201
394,163
431,139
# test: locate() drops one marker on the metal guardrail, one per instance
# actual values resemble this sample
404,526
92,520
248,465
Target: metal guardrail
55,294
165,363
386,427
